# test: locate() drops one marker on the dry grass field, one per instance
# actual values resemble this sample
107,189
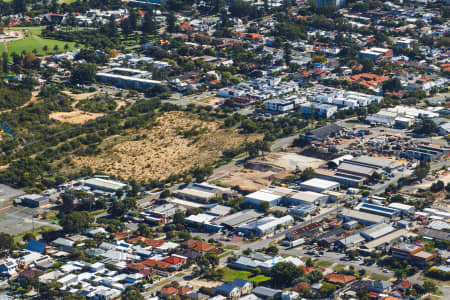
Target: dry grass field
163,150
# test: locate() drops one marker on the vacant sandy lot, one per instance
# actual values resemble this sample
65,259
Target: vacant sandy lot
163,150
257,178
74,117
248,180
198,283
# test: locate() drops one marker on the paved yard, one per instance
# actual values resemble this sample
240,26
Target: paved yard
16,220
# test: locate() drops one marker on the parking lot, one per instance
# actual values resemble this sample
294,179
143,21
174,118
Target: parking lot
16,220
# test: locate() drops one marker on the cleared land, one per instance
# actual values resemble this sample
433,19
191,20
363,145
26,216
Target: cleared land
261,172
75,117
163,150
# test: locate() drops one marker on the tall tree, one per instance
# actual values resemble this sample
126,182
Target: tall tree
132,20
148,24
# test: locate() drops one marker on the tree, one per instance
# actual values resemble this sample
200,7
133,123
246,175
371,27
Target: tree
76,222
7,243
400,274
367,64
392,85
132,20
315,276
263,206
303,289
148,24
68,200
319,59
284,273
164,194
437,187
171,19
132,293
307,173
144,230
5,62
422,170
84,73
425,126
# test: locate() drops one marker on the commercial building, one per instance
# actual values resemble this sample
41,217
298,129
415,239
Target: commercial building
260,89
237,219
31,200
263,196
341,98
283,105
105,185
376,54
202,192
357,170
302,210
362,217
405,42
126,82
412,252
385,241
304,231
428,152
377,163
403,208
380,210
338,3
319,185
376,231
325,132
265,225
306,198
434,234
318,109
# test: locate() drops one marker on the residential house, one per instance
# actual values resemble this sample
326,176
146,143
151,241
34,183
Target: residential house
176,261
244,285
228,290
341,279
265,292
380,286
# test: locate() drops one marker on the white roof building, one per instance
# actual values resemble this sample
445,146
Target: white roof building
262,196
319,185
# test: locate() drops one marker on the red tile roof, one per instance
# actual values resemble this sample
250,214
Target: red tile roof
339,278
157,264
174,260
169,290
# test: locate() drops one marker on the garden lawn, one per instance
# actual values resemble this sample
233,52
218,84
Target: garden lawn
259,279
323,263
232,274
380,277
34,30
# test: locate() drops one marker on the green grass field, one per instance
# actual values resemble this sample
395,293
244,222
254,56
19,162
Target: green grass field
232,274
259,279
33,41
380,277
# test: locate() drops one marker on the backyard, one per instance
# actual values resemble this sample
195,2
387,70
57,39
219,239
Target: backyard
231,274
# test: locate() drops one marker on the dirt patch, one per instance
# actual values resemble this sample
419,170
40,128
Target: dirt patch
248,180
261,172
198,283
163,150
79,97
74,117
120,104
